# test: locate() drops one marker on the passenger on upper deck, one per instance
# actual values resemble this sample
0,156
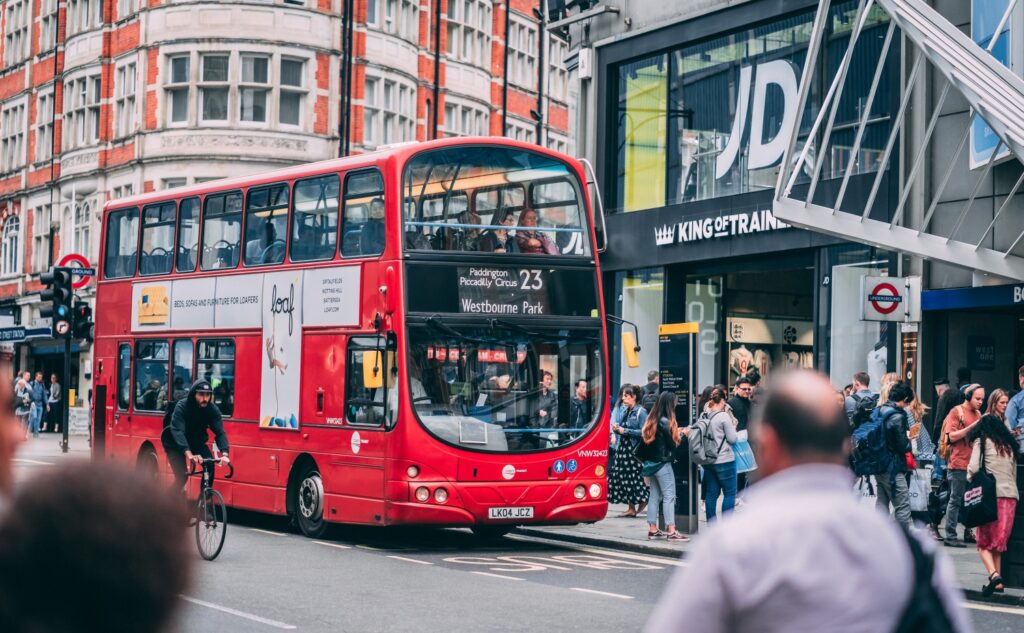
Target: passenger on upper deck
499,240
371,237
533,242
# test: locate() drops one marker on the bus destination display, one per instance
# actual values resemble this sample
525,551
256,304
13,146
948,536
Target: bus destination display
510,291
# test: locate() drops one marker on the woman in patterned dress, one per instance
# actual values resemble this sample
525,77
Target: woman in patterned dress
625,483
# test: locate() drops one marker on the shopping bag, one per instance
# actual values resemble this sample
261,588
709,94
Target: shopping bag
866,490
980,497
920,488
745,461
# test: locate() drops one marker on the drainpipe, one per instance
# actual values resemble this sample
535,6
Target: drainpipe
344,124
504,71
437,65
542,45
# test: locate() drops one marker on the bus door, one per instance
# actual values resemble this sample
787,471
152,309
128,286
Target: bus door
119,419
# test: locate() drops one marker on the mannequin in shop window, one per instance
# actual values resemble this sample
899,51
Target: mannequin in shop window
741,360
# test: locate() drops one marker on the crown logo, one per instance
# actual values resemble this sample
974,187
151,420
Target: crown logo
665,235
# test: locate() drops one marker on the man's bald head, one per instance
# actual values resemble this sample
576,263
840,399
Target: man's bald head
800,421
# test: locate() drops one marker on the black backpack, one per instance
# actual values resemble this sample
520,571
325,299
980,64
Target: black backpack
649,399
863,407
926,611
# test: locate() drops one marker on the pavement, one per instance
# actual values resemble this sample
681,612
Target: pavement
630,534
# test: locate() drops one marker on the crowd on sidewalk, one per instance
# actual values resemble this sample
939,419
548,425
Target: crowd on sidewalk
37,403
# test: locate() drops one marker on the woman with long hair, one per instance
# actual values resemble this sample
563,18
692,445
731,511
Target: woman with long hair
990,438
660,436
625,483
720,477
888,380
998,400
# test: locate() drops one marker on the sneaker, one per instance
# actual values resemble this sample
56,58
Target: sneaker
933,531
676,536
953,542
655,534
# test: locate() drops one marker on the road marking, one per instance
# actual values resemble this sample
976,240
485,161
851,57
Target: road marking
268,532
483,573
372,548
241,614
989,607
411,560
602,593
21,460
658,560
339,546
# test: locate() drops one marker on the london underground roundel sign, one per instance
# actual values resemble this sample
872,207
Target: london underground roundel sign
74,260
885,298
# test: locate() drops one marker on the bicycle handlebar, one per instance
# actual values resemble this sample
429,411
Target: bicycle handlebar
206,460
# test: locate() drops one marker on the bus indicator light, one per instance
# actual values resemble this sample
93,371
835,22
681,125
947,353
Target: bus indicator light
412,471
595,491
440,495
580,492
422,494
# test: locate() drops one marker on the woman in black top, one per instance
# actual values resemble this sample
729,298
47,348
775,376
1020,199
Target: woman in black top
660,436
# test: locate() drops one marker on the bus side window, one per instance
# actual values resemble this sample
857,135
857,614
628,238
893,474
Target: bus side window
315,219
222,231
188,235
157,239
217,366
122,243
181,369
364,400
362,225
124,376
150,375
266,225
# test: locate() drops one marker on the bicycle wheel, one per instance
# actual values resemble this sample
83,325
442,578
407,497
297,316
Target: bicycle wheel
211,523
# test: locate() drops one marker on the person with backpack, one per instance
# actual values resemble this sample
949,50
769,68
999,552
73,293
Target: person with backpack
954,448
892,483
994,449
862,402
649,397
821,560
719,474
659,438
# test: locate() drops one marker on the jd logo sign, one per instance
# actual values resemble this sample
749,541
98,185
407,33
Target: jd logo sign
761,153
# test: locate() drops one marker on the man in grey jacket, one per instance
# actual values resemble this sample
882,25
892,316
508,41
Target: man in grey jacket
53,401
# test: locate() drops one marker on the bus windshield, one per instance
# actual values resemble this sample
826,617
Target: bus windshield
493,200
498,390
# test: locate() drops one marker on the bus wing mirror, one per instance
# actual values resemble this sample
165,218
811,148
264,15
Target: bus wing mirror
597,208
632,350
374,369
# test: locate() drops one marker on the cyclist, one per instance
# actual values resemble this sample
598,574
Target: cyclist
186,432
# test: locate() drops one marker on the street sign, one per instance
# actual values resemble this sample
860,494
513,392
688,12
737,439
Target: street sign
63,327
890,298
13,334
79,267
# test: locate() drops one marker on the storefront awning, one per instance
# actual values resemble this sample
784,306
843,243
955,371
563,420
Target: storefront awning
980,237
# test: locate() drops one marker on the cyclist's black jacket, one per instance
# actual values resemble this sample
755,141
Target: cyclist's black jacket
189,422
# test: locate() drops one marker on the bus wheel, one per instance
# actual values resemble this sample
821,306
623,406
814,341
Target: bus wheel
147,464
309,504
491,532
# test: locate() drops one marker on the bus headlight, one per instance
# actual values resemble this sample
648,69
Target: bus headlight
422,494
580,491
595,491
440,495
599,471
412,471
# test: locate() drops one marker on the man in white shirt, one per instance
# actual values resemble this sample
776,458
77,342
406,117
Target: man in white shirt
821,560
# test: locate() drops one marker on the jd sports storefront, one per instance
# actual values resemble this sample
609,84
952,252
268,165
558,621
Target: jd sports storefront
690,116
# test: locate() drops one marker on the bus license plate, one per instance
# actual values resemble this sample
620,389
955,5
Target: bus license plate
509,512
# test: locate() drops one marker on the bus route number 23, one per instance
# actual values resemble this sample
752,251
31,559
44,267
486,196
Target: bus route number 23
530,279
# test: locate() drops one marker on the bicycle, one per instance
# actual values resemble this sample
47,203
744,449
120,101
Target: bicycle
211,512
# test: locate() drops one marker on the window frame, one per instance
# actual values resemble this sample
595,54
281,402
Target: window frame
106,247
203,85
45,117
337,217
233,360
13,130
393,122
47,25
156,361
81,116
10,246
265,87
124,404
125,100
382,192
191,367
248,211
171,87
358,343
203,232
42,218
160,222
477,27
17,32
198,218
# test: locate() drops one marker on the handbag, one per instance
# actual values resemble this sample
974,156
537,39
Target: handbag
650,469
745,461
980,497
920,488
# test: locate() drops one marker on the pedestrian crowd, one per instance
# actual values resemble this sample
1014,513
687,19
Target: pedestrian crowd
37,403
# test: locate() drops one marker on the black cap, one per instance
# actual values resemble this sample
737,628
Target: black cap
202,387
941,381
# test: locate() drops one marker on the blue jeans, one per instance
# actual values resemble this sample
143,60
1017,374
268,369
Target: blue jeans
720,478
35,417
663,489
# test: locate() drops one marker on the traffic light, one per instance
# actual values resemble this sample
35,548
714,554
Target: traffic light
83,325
59,295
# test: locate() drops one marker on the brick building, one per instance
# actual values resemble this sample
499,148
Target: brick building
101,99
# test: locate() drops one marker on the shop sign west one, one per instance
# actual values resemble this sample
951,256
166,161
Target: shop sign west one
730,225
890,298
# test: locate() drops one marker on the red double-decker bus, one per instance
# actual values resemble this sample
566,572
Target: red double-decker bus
412,336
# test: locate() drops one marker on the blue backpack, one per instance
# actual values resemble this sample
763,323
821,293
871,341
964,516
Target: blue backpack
871,455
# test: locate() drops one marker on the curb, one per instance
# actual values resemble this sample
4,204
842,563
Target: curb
971,594
638,548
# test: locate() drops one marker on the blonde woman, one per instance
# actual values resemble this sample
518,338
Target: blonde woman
997,403
888,380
